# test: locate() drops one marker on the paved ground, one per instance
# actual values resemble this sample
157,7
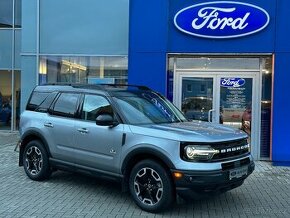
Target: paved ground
266,193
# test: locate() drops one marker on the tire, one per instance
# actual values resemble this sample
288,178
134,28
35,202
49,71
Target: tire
35,161
151,186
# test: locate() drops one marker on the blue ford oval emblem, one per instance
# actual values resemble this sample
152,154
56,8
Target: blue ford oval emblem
221,19
232,82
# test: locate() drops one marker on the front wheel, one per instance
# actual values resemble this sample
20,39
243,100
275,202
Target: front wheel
151,186
35,161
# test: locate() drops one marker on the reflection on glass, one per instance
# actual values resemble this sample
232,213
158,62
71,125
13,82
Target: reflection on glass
5,100
217,63
17,94
266,107
236,102
197,96
17,21
92,70
6,14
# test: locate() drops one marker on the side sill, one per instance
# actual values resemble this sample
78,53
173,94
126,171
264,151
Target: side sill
68,166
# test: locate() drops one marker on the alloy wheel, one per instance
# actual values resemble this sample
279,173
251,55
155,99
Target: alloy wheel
148,186
33,160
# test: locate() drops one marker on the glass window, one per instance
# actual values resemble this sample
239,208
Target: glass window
95,105
17,49
83,27
43,107
6,13
66,104
17,94
6,49
5,100
36,99
17,9
208,63
148,108
92,70
266,103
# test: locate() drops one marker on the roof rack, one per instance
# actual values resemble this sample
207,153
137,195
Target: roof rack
98,86
125,85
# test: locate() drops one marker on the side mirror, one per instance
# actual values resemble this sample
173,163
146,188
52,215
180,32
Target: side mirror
106,120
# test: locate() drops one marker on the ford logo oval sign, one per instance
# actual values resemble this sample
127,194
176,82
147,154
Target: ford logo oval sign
232,82
221,19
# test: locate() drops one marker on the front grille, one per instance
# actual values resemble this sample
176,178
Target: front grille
230,149
235,164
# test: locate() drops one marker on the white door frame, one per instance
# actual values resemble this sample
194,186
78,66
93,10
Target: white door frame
217,75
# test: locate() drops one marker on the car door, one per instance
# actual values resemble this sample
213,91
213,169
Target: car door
97,147
60,126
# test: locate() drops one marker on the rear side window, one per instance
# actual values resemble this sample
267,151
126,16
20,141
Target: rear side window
43,107
66,105
36,99
40,101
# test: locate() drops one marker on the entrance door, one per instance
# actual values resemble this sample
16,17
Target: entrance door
220,97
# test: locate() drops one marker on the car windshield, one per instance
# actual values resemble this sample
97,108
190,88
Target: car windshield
148,108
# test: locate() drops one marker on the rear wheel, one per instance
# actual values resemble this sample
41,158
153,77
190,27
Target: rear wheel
151,186
35,161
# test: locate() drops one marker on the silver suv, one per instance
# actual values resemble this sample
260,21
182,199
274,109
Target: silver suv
134,135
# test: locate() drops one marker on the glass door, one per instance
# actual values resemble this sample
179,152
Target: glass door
221,97
236,96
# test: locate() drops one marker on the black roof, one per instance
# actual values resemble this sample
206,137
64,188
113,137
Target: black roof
108,88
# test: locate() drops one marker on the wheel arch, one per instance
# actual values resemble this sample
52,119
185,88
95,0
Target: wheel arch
140,154
28,137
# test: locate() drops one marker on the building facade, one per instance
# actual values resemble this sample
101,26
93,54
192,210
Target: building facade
10,43
218,61
221,61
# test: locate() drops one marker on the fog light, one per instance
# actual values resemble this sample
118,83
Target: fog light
177,175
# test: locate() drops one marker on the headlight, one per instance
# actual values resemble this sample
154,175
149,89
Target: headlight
199,152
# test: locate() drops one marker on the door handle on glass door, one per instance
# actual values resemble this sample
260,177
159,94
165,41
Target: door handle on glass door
210,115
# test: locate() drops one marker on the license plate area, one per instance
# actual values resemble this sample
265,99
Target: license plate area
238,173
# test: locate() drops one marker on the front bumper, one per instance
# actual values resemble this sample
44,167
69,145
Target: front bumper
196,184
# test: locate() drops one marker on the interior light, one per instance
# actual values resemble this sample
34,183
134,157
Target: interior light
74,65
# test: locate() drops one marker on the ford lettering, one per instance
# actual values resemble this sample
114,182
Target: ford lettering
221,19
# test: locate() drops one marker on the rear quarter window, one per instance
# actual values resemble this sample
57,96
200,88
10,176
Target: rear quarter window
36,99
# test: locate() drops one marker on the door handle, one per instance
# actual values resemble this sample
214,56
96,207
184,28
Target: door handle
50,125
210,115
83,130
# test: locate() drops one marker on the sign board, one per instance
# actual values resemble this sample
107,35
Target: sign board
221,19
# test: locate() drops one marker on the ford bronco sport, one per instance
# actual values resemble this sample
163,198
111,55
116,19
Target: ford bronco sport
134,135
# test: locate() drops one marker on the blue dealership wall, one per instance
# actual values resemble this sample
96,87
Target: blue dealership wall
281,99
152,35
148,38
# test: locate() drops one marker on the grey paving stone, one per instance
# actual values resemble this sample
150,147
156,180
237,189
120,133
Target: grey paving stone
266,193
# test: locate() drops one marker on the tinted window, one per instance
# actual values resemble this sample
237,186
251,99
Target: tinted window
43,107
36,99
66,104
95,105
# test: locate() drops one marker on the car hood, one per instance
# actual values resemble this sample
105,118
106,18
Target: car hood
195,131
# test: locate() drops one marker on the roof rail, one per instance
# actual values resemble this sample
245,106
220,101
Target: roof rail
58,84
125,85
100,86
